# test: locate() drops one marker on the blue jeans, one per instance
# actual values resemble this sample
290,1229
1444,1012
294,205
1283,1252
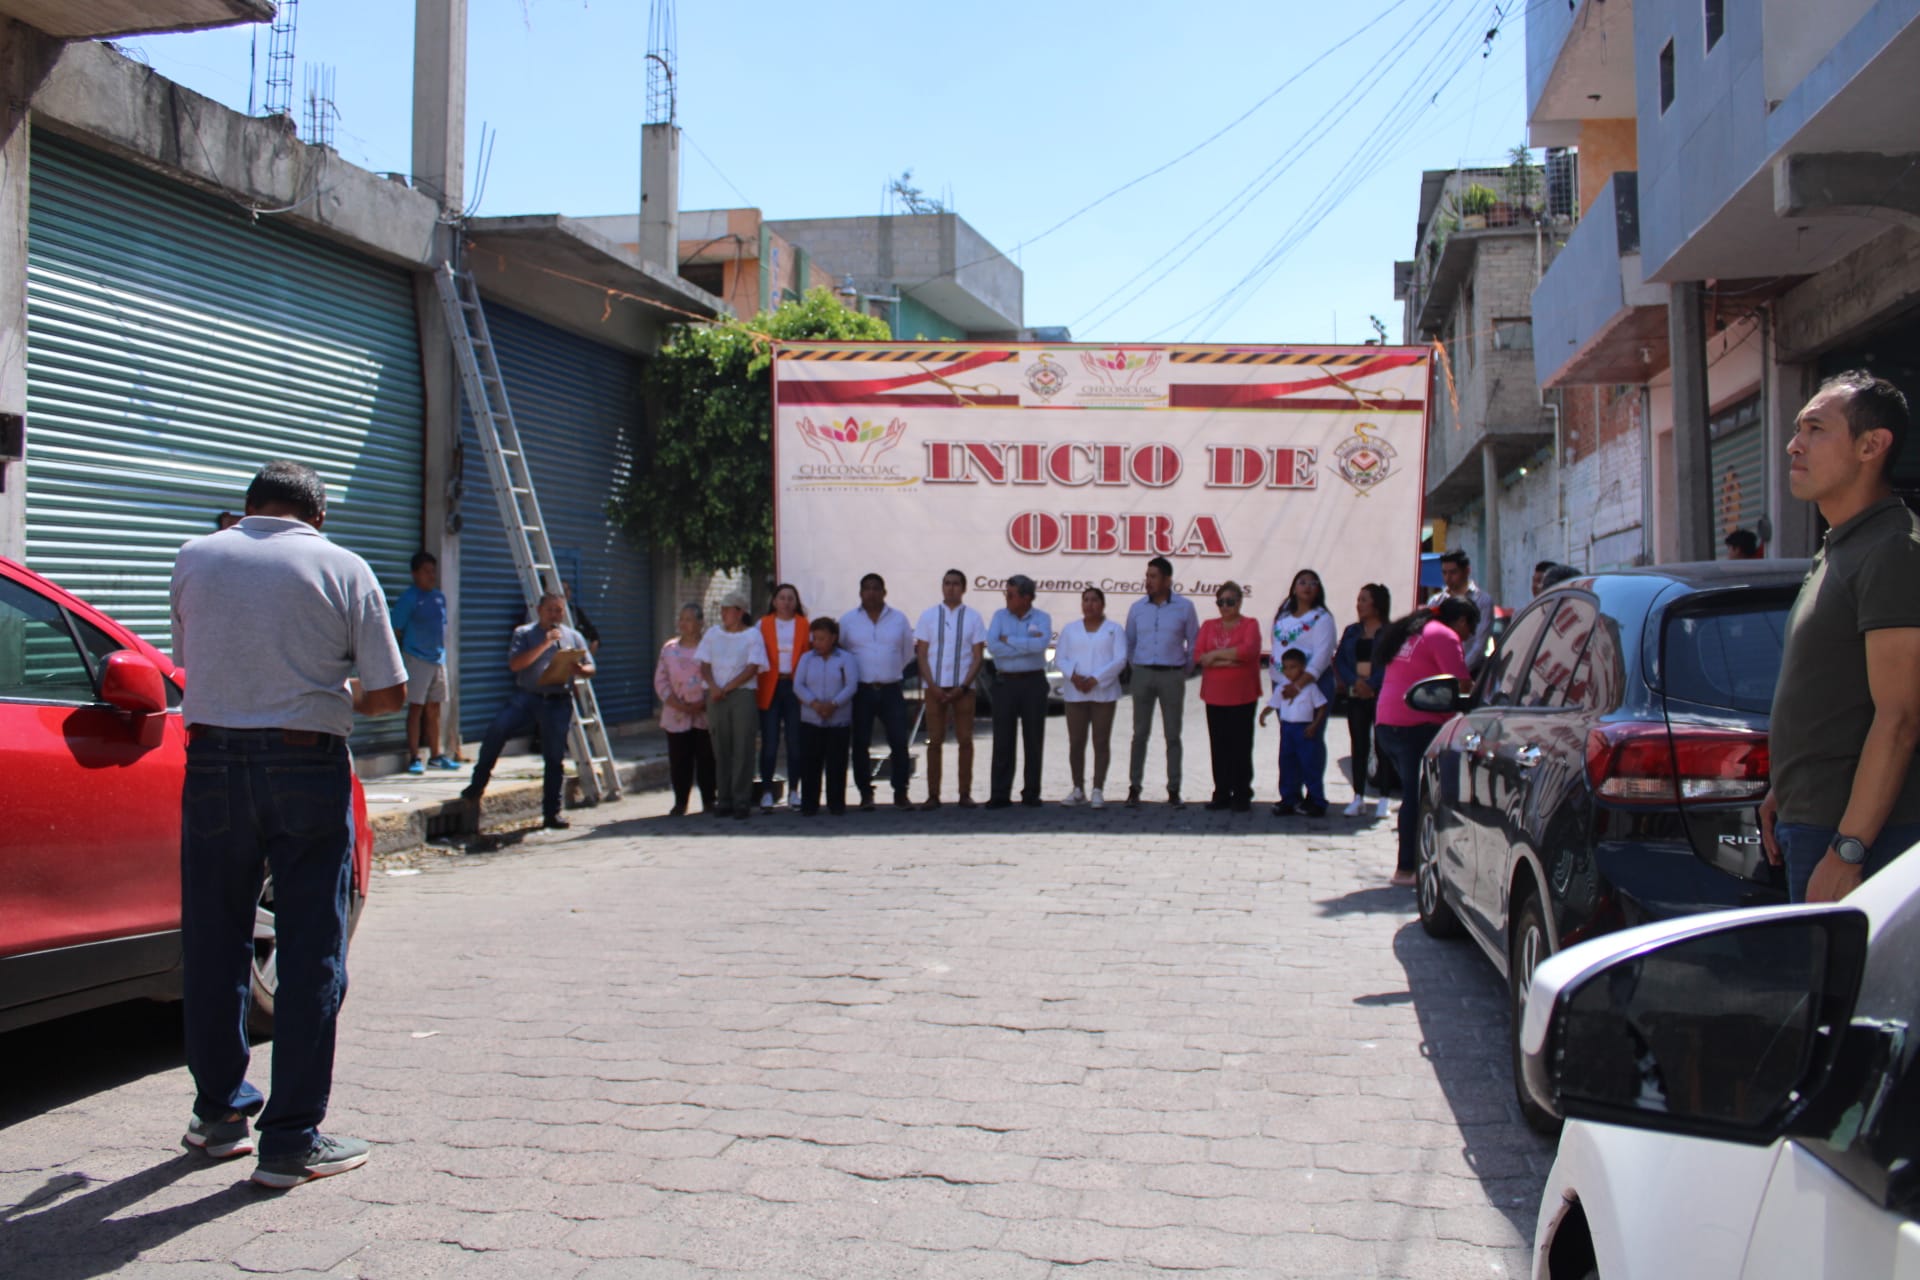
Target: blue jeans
1802,845
1405,745
784,712
525,709
1303,763
255,804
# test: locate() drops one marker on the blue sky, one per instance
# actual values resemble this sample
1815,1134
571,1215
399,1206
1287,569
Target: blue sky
1022,113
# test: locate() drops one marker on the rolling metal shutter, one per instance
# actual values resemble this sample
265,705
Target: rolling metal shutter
575,403
174,345
1737,464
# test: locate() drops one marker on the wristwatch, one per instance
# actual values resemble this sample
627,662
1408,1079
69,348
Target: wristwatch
1849,850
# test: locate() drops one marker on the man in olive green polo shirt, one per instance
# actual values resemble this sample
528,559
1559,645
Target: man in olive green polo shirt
1846,714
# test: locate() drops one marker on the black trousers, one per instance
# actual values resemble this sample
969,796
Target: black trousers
887,701
1360,734
823,750
1230,735
1019,707
690,756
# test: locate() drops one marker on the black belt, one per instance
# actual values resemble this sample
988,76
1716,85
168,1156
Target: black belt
879,684
1155,666
1022,675
289,737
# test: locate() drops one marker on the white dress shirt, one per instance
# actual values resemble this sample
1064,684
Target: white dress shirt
1102,655
881,650
950,635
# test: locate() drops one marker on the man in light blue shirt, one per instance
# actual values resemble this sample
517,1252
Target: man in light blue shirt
1017,640
1161,629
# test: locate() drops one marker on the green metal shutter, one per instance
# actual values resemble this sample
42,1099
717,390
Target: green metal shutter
1737,462
174,345
575,403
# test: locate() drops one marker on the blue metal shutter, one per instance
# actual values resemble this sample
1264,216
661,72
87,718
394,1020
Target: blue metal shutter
576,404
174,345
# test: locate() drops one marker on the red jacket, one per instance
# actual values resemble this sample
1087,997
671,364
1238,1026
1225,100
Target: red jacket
769,678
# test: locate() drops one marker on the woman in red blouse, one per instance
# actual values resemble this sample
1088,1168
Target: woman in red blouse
1227,652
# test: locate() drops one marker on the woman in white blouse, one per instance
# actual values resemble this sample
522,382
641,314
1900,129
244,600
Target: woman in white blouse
1305,623
1091,654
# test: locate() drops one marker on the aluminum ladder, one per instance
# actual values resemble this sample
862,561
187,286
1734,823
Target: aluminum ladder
486,394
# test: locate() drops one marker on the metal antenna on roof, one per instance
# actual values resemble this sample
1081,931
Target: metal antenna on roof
280,41
662,64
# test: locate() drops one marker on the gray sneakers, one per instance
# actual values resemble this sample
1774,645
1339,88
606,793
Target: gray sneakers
221,1139
327,1157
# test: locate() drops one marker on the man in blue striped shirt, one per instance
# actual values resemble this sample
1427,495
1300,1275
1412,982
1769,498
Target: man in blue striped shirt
1161,629
1018,638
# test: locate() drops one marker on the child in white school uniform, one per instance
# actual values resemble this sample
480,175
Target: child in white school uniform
1303,740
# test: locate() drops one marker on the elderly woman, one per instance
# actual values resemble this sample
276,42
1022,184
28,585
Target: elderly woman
683,712
1090,656
1227,651
731,656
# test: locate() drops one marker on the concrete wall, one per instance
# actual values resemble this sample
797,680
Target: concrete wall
1798,34
1735,370
938,257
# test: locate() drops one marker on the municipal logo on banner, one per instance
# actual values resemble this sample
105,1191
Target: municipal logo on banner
853,450
1046,378
1365,460
1120,376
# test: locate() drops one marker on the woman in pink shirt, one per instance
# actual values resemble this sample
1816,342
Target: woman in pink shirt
1227,651
683,713
1429,644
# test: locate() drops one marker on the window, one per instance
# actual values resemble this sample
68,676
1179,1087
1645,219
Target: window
1551,672
1513,334
39,661
1599,681
1728,658
1508,667
1666,77
1716,21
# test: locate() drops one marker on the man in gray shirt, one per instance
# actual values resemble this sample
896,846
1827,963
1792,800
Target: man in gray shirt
1161,629
1846,713
550,706
270,620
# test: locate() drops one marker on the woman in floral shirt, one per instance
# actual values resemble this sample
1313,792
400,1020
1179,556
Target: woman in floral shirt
683,712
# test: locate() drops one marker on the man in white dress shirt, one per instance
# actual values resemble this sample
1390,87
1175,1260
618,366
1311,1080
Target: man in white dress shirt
881,641
951,642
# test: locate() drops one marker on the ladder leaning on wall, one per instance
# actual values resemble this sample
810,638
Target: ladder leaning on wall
486,394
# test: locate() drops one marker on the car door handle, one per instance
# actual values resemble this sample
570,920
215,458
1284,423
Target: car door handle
1469,742
1527,757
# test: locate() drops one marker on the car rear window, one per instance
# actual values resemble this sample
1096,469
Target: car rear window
1726,657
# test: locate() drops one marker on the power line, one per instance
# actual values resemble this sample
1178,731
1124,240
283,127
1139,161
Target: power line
716,168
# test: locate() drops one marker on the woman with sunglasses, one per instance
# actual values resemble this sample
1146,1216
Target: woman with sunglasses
1227,652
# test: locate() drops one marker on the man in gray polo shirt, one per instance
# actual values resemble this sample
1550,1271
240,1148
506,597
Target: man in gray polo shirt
1846,713
270,620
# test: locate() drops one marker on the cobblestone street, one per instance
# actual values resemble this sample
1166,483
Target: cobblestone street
1036,1042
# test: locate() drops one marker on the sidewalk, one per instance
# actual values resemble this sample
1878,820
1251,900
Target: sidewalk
407,810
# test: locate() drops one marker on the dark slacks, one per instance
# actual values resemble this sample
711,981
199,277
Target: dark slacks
1360,736
823,754
1230,737
780,720
1405,744
1019,708
552,714
888,702
690,757
254,805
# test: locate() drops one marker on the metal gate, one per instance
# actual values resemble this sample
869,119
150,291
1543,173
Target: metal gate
1737,462
575,403
174,345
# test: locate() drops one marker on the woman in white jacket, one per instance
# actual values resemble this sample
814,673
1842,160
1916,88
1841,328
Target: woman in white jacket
1091,653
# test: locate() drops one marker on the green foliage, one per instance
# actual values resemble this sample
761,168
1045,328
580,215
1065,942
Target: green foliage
704,486
1478,200
1523,177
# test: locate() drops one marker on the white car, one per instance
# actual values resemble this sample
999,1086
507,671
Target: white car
1742,1093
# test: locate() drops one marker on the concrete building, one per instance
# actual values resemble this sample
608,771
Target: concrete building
1752,224
733,254
1468,288
190,291
928,275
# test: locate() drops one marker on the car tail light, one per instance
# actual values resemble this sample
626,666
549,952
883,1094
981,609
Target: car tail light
1648,763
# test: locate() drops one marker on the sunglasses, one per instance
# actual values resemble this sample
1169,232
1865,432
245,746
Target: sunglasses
1226,600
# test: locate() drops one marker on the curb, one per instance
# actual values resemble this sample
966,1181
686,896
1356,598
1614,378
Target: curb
399,830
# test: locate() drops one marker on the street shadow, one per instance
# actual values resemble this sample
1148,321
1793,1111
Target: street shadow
1378,900
1051,817
1461,1004
50,1065
56,1234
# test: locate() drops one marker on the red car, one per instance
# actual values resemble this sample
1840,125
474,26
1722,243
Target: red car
92,754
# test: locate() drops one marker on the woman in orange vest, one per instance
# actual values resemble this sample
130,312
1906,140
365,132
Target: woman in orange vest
785,631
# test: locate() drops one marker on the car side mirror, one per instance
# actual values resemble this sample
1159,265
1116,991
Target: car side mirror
1439,694
132,684
1718,1026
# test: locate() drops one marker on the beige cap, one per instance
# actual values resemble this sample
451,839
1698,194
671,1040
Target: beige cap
735,600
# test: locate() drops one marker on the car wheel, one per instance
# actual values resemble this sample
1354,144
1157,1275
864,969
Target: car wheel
266,958
1528,945
1436,917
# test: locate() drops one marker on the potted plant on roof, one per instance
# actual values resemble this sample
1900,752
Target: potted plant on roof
1522,181
1476,202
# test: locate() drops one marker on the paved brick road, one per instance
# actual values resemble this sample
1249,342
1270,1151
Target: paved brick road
1022,1044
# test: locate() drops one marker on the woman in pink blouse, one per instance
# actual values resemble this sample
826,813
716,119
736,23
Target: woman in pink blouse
1421,645
683,713
1227,651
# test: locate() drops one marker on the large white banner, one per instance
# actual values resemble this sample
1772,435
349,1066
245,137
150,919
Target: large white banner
1076,464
